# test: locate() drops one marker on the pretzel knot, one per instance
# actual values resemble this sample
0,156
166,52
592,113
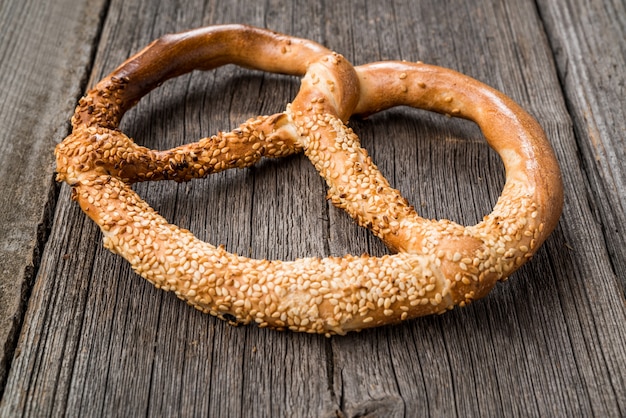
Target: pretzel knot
436,265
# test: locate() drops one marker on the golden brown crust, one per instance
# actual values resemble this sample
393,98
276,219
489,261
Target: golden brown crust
438,265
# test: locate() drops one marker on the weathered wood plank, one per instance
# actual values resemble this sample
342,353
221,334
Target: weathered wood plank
40,79
99,341
589,42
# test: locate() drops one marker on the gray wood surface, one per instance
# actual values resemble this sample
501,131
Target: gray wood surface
45,48
98,340
589,44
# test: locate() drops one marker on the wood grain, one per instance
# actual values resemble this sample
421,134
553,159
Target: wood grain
97,340
588,40
40,80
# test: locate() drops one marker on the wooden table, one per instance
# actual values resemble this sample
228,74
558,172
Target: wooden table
82,335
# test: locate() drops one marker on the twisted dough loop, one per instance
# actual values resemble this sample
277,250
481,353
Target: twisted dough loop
438,264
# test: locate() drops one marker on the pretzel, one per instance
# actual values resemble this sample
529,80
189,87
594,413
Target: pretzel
436,265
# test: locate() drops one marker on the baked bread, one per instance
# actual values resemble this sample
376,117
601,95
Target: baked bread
436,265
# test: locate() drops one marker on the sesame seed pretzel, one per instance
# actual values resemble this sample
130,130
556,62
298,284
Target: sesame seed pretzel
437,264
